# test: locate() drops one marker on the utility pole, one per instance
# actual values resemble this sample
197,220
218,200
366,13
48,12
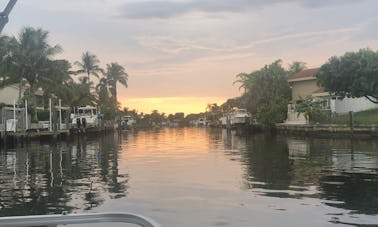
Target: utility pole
4,15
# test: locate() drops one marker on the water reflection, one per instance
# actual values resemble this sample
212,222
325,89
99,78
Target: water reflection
341,172
216,176
52,178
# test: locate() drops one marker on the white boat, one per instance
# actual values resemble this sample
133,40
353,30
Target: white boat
126,122
240,116
224,120
85,117
67,219
236,117
202,122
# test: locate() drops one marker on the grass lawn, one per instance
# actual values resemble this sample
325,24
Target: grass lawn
362,117
366,117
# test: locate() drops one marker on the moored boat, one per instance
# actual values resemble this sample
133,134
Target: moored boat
85,117
238,117
126,122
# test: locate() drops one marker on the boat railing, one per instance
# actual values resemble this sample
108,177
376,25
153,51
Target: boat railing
66,219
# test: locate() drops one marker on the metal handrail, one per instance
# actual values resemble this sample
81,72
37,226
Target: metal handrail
4,15
64,219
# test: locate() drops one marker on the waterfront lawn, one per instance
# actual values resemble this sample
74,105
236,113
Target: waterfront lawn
362,117
366,117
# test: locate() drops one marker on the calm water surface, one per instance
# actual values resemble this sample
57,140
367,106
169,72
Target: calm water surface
197,177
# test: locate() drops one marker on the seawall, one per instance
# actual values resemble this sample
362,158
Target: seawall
322,130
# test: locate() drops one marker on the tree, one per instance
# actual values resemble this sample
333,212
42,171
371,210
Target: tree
9,72
179,118
54,78
28,58
355,74
213,113
156,118
232,103
115,73
246,81
212,107
127,111
270,114
267,88
296,67
89,66
76,94
102,89
307,107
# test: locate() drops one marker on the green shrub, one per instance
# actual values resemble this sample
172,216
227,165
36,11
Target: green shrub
43,115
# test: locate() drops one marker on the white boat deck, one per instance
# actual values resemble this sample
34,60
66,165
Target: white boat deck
66,219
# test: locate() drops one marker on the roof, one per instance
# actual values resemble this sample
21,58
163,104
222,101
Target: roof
320,90
87,107
304,75
39,92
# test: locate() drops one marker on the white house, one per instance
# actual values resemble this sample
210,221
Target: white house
10,93
304,84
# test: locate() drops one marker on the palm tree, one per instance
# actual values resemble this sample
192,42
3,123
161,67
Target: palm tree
76,94
102,86
89,66
296,67
246,81
54,78
102,90
8,70
115,73
29,57
105,102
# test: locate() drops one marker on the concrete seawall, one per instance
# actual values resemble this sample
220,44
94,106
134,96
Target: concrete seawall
329,130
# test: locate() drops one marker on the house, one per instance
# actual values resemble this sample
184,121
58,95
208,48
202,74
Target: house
14,118
304,84
10,94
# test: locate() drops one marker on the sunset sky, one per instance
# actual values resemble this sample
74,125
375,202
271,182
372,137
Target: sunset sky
182,54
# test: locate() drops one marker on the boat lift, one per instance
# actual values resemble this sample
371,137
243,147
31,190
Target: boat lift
67,219
4,15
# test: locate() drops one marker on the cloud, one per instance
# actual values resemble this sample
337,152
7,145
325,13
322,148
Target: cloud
175,45
167,9
322,3
367,33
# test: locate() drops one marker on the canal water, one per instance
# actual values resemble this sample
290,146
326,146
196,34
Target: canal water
193,177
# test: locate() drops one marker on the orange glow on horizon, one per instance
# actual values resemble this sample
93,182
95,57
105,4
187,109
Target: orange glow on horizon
170,105
188,147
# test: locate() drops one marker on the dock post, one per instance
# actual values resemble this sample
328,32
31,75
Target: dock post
14,115
50,120
26,115
351,119
60,114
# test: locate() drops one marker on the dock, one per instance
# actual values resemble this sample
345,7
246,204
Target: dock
16,123
329,130
35,133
